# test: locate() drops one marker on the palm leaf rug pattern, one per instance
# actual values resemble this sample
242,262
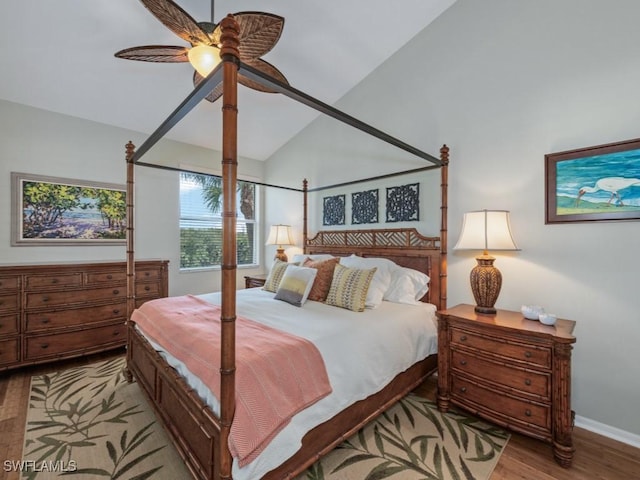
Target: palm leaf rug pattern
88,422
414,441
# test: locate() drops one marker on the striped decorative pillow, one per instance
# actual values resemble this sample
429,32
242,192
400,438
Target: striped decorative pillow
275,276
349,287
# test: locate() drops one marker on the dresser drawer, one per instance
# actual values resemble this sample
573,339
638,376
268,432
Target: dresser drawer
147,289
75,317
9,350
9,283
9,302
147,274
512,409
63,280
531,354
47,299
72,342
525,381
9,324
97,278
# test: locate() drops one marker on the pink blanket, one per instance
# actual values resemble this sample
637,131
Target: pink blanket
277,374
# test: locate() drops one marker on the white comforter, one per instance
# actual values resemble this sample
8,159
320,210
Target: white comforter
362,353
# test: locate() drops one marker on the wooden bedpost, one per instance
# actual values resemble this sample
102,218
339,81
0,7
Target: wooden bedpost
131,264
305,228
444,185
230,57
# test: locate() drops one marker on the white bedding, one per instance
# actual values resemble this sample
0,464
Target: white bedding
362,353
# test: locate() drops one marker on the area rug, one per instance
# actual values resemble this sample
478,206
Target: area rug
89,423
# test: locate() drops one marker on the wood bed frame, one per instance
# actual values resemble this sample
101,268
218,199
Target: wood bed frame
200,436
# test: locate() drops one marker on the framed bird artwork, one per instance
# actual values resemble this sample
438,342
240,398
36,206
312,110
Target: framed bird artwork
593,183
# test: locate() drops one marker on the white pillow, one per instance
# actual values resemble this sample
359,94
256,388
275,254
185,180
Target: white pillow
381,279
407,286
301,257
296,284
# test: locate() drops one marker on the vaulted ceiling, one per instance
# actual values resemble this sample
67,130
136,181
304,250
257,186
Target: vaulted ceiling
58,56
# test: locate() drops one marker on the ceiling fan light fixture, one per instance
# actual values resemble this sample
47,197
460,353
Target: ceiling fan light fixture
204,58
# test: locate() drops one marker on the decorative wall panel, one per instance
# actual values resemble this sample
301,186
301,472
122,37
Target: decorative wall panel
364,207
333,210
403,203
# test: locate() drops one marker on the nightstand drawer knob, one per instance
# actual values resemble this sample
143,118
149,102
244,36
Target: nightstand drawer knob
527,354
44,346
463,362
463,389
45,321
527,382
116,292
527,412
463,338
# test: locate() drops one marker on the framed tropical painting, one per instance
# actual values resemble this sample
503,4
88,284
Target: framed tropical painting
60,211
594,183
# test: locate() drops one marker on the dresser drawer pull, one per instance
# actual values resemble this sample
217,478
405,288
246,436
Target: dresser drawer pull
109,277
45,299
527,381
527,354
54,280
147,288
146,274
463,362
463,338
45,321
463,389
44,346
527,412
116,311
116,292
116,333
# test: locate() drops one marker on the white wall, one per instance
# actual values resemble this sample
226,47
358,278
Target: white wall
44,143
503,83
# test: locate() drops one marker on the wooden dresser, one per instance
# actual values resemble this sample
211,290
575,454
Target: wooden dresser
509,370
50,312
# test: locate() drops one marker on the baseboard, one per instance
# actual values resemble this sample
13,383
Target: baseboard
608,431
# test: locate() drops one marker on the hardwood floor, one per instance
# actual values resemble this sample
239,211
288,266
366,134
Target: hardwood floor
597,457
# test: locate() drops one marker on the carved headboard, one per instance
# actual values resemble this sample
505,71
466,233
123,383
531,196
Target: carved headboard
404,246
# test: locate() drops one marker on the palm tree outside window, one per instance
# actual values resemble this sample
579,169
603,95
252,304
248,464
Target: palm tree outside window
201,221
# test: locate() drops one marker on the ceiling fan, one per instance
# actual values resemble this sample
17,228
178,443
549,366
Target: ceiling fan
259,32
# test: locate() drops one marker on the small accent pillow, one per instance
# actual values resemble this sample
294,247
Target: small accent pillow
349,287
381,280
275,276
296,284
407,286
322,283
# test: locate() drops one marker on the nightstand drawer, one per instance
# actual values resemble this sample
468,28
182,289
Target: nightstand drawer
519,410
525,381
502,346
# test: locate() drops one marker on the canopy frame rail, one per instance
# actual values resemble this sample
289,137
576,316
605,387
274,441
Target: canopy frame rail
215,78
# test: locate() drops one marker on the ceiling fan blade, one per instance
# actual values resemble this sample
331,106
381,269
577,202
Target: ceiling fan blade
215,94
178,21
155,53
259,32
264,67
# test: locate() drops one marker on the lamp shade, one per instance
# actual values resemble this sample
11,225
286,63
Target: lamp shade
204,58
280,235
486,230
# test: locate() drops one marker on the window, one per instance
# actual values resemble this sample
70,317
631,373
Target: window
201,221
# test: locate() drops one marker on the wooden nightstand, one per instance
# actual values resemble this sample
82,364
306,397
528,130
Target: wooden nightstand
251,281
509,370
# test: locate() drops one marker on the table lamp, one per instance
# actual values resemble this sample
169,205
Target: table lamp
280,235
486,230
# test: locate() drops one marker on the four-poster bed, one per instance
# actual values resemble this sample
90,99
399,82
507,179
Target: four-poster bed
200,435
